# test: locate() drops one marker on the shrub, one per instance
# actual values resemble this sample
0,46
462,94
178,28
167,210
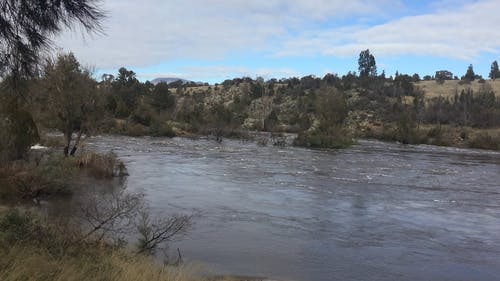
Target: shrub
135,130
161,129
102,165
54,174
32,179
484,140
322,140
35,249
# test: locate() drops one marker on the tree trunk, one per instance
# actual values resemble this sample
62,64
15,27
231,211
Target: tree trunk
68,141
77,142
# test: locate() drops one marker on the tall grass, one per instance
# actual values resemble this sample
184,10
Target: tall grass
33,263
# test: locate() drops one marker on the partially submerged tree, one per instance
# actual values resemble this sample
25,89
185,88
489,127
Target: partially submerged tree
72,102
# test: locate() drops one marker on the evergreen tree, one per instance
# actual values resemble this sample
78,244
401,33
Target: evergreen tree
494,73
26,28
469,75
367,65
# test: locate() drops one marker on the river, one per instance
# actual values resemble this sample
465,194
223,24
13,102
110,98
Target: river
376,211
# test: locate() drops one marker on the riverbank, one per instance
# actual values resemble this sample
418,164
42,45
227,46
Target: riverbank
440,135
444,135
33,248
37,246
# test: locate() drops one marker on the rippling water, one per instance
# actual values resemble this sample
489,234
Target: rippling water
376,211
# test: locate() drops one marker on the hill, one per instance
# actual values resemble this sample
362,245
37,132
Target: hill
449,87
169,80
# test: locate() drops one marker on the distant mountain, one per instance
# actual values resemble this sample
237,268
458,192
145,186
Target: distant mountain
169,80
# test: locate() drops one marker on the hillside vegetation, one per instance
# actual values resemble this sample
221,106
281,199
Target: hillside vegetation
449,87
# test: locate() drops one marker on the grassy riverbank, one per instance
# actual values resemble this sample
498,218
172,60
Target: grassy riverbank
35,249
35,246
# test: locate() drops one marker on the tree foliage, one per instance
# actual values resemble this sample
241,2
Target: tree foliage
162,99
367,65
125,90
26,28
72,102
494,72
25,31
469,75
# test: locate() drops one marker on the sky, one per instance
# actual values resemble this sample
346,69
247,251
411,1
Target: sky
214,40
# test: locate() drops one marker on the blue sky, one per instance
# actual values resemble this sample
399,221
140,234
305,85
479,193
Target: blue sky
213,40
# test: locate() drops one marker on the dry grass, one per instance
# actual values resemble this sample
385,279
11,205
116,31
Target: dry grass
32,263
450,87
34,249
54,174
101,165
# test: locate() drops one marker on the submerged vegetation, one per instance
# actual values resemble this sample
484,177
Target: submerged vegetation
45,173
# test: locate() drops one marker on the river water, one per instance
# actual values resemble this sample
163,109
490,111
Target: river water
376,211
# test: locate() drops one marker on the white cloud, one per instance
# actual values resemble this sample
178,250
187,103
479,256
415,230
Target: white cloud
461,34
145,33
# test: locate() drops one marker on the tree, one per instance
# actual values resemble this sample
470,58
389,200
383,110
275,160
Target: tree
26,28
367,65
494,73
72,103
125,89
162,99
415,77
469,75
443,75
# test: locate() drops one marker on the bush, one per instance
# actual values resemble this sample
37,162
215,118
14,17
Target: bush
161,129
135,130
33,179
34,249
102,165
54,174
484,140
18,134
321,140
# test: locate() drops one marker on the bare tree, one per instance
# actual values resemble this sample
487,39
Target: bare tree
157,231
109,216
113,217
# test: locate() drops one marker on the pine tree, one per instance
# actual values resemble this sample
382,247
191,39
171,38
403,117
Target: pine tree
494,73
469,75
27,26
